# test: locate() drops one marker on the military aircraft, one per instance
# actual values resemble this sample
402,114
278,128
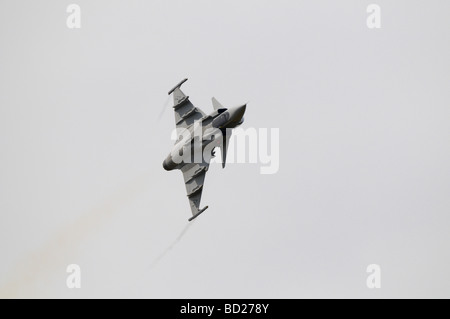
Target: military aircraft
199,135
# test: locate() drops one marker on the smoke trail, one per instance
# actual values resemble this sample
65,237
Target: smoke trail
176,241
52,256
164,108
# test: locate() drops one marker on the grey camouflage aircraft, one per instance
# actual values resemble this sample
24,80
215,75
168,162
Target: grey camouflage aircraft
198,135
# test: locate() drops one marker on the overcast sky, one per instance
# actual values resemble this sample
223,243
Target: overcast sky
364,175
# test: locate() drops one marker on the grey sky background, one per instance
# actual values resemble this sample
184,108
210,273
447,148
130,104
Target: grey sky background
364,149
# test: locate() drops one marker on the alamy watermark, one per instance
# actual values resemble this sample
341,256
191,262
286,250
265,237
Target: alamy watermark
374,19
74,279
251,145
374,279
74,19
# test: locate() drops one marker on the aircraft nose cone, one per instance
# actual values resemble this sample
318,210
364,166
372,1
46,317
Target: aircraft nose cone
238,113
241,110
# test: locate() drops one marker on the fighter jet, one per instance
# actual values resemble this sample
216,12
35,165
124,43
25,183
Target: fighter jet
199,135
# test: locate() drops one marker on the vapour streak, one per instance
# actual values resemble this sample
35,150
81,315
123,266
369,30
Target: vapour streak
166,104
53,256
176,241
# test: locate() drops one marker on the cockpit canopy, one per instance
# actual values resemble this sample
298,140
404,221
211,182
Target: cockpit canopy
222,119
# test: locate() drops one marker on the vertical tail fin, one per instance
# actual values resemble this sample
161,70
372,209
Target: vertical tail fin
216,104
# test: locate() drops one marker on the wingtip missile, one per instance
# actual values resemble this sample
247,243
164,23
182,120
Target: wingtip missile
177,86
199,212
